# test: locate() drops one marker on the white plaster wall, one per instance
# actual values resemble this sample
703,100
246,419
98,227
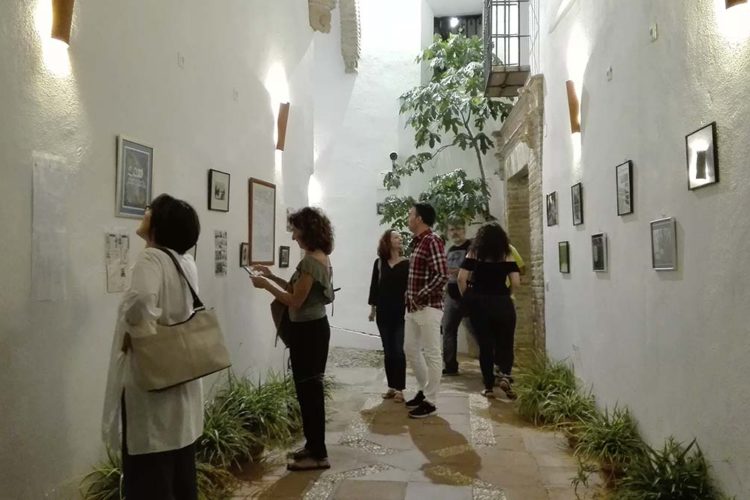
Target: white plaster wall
124,79
673,346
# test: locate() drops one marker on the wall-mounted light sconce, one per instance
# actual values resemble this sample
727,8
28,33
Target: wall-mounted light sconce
281,125
573,107
62,19
732,3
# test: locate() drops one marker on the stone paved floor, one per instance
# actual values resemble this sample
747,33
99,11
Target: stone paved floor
473,449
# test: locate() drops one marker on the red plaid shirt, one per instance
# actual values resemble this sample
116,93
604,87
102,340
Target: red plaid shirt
428,272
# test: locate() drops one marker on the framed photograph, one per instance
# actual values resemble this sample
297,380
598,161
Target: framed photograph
624,180
552,209
262,217
563,253
380,208
135,164
664,244
576,198
218,190
244,255
702,157
283,256
599,252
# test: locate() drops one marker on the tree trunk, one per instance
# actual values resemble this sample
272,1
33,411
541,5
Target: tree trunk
485,188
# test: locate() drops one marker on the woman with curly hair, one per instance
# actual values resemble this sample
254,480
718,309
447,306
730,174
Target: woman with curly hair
483,275
306,294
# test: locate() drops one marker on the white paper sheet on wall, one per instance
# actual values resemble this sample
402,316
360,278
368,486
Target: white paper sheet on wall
220,253
118,268
49,238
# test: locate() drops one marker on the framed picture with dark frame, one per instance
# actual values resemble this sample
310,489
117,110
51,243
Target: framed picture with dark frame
563,254
218,190
552,209
135,165
702,157
576,200
284,256
624,181
664,244
599,252
262,222
244,255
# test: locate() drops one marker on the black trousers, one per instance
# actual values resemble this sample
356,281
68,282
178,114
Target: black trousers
166,475
308,350
391,328
493,319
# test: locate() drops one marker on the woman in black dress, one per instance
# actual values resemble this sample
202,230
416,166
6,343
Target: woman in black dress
482,282
387,301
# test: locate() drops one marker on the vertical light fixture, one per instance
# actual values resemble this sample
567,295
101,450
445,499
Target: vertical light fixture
62,19
732,3
281,125
573,107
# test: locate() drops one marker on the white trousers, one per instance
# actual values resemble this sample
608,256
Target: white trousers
423,348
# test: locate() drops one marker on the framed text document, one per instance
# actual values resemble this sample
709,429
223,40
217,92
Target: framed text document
262,219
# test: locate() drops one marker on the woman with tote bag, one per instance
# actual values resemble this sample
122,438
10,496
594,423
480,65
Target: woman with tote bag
159,429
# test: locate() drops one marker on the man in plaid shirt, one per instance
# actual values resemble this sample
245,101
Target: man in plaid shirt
428,274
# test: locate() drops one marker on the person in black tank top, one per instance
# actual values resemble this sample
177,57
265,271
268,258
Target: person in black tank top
482,282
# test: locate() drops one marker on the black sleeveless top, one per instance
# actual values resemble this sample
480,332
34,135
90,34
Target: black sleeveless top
488,278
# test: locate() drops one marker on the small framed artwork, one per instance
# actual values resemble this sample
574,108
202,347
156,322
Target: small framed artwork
283,256
552,209
380,208
135,163
624,180
576,198
563,253
664,244
244,255
262,217
702,157
218,190
599,252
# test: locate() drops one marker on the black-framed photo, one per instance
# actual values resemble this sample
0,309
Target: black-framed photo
576,199
244,254
218,190
599,252
552,209
624,180
135,165
284,256
380,208
664,244
563,254
702,157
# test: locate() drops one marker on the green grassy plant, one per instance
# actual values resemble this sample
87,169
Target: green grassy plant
105,481
214,483
542,381
612,439
225,440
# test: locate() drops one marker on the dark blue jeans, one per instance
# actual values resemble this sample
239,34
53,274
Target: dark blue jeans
493,318
391,328
453,313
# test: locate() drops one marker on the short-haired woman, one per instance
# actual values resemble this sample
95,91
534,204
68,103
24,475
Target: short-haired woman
387,307
488,264
159,429
307,293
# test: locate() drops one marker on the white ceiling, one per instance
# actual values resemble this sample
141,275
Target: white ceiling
442,8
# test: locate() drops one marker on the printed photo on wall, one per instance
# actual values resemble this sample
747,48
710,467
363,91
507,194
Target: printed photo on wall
220,253
134,174
599,252
664,244
244,255
563,252
702,157
552,209
624,179
218,190
283,256
576,197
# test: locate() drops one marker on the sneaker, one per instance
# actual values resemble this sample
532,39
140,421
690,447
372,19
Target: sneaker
450,373
507,389
389,394
309,463
424,410
299,454
413,403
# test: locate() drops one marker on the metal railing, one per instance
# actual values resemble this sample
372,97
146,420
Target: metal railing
506,35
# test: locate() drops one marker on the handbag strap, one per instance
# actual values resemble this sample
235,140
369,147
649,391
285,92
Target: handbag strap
197,304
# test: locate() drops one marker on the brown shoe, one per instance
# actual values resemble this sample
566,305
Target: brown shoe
507,389
309,463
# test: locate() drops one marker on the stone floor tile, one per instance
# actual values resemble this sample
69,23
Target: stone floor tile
424,491
370,490
526,493
557,476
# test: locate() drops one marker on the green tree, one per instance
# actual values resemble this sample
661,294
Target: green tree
450,110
